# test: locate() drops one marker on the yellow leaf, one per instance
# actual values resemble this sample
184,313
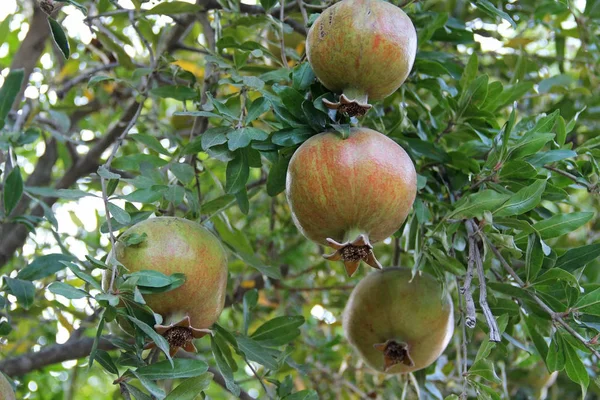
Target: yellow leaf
248,284
190,67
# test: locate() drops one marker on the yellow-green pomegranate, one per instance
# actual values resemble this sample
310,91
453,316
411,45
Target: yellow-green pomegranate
6,392
176,245
363,49
398,323
350,193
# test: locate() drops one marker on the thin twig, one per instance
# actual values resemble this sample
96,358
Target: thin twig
463,345
303,11
489,317
260,379
105,194
142,38
589,186
470,315
555,316
475,257
282,34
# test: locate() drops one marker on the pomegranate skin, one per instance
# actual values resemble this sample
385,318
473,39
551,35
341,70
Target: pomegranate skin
176,245
338,188
363,48
388,306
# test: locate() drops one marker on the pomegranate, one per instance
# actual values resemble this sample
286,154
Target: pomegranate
364,49
176,245
6,392
350,193
398,323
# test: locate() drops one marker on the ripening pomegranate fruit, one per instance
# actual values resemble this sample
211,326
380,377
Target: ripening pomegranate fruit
176,245
398,323
364,49
6,392
349,193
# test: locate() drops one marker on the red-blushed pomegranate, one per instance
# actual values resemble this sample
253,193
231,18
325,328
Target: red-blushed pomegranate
363,49
350,193
6,392
176,245
398,323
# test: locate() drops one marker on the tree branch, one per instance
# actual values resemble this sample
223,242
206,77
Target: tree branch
74,350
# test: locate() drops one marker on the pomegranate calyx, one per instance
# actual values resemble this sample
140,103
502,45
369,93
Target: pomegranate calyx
394,353
351,108
353,253
180,335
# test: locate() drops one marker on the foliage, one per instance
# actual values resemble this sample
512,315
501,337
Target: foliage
171,108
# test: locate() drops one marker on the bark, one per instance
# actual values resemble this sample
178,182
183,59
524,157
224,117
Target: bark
73,350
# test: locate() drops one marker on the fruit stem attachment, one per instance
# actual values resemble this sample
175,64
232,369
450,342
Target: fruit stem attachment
352,253
352,103
394,353
180,335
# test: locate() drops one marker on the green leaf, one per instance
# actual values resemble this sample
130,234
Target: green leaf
533,329
184,172
191,388
524,200
268,4
278,331
8,93
303,395
277,176
160,341
133,239
82,275
254,351
250,300
69,194
303,76
555,274
575,368
218,204
291,136
74,3
149,278
155,390
149,195
478,203
476,93
490,9
555,360
175,194
534,257
181,93
66,290
151,142
517,169
240,138
98,79
180,368
24,291
257,108
224,368
559,225
237,173
60,38
530,144
485,369
44,266
588,300
173,8
549,157
470,72
119,214
579,257
105,173
106,361
214,137
13,190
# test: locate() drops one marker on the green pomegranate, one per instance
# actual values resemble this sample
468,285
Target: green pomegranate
6,391
363,49
398,323
350,193
176,245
